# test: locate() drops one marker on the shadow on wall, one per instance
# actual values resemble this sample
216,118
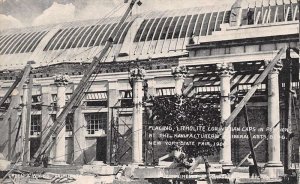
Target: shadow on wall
88,154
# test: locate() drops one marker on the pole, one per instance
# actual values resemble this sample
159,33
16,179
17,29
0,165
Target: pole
250,140
288,114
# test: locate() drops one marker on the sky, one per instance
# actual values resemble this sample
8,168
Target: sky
21,13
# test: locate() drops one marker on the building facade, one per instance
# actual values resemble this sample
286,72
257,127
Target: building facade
225,49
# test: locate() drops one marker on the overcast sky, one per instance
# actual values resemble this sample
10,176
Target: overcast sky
17,13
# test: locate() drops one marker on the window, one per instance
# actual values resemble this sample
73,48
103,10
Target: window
165,91
96,99
126,98
36,102
96,122
35,128
69,122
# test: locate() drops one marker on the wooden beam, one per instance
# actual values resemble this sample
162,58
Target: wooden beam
256,84
20,79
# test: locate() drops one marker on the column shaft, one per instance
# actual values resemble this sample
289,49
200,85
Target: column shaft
225,156
112,103
137,126
273,119
60,138
26,155
79,136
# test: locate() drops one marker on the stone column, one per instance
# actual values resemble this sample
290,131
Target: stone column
179,73
79,133
225,73
113,97
137,77
274,165
46,118
26,154
61,81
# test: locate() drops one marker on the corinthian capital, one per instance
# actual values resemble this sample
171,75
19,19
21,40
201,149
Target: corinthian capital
179,71
277,68
137,74
225,69
61,80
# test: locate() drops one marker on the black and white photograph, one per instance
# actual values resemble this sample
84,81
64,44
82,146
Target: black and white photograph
149,91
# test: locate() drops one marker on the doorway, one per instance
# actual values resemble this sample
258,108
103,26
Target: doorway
34,145
101,149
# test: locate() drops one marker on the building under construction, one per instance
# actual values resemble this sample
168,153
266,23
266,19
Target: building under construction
76,91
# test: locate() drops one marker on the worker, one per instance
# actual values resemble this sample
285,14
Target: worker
45,160
251,166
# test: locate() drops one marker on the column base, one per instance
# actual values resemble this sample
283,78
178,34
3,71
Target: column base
137,163
59,163
226,166
274,170
225,163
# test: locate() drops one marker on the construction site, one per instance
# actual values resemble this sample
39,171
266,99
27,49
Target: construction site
75,97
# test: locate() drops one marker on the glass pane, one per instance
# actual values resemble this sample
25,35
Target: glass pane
74,45
172,27
62,38
140,30
108,34
192,26
159,28
165,28
87,32
185,26
151,32
57,39
99,38
26,41
125,33
146,30
116,39
51,40
212,23
93,40
36,41
72,39
178,27
199,24
205,24
67,39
